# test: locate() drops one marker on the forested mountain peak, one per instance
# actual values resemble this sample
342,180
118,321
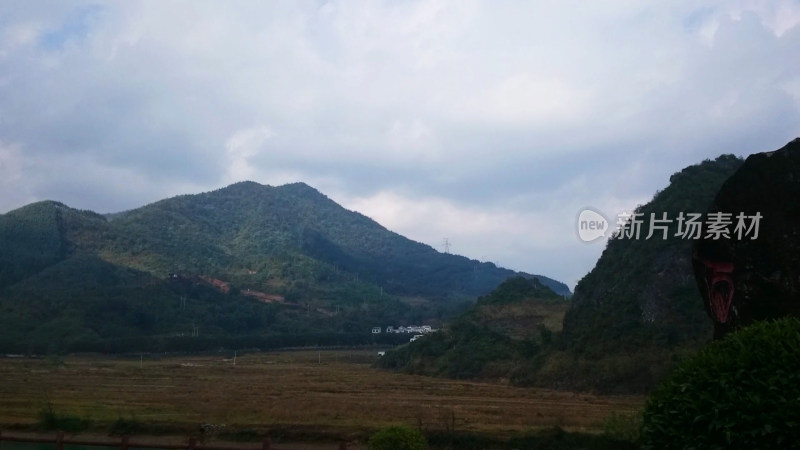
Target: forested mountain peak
288,248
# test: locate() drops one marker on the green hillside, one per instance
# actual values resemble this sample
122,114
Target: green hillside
243,265
499,338
639,307
31,239
267,236
629,320
643,290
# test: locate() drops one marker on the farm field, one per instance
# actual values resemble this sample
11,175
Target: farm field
302,393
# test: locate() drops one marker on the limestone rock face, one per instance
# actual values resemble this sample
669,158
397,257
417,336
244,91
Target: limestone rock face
753,273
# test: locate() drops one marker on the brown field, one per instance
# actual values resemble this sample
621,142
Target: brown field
330,392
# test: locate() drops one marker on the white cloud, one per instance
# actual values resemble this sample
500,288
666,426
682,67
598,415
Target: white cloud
523,100
12,176
18,35
241,147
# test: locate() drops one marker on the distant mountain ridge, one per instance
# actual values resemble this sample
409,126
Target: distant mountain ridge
344,270
297,219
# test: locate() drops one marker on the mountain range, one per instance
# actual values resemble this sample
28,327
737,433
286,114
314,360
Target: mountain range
245,260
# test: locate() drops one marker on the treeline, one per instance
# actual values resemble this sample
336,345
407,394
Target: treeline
86,304
173,344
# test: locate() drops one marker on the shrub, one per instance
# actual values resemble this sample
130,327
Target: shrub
121,427
557,439
742,392
623,427
49,419
397,438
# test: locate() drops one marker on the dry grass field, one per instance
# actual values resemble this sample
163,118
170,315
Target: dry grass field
334,392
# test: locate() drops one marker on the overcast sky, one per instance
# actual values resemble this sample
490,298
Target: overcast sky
489,123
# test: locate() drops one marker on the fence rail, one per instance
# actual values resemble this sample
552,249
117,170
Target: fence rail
124,443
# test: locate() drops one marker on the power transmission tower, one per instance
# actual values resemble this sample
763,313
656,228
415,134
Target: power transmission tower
446,245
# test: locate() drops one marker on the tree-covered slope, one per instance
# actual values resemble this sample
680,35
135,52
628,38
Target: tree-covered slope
37,236
86,304
628,321
639,306
498,338
643,290
246,260
294,233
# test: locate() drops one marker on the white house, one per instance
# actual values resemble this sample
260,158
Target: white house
376,330
415,329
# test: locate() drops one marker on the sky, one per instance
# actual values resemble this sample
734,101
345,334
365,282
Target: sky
490,124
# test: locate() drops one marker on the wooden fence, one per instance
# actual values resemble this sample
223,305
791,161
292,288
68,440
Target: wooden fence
124,443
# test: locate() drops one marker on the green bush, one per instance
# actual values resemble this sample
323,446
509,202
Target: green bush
121,427
623,427
50,419
557,439
398,438
740,392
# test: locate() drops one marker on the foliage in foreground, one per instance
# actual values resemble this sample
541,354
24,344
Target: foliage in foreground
397,437
743,392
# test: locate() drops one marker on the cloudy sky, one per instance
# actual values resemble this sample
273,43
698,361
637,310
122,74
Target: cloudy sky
489,123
